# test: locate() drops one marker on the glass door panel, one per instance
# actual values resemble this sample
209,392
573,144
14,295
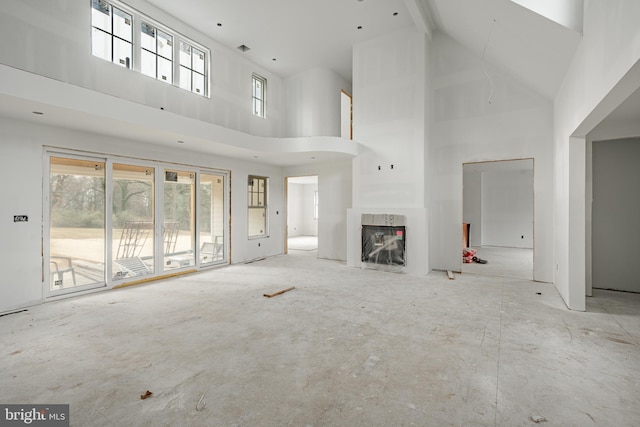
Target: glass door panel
179,219
211,227
76,224
133,221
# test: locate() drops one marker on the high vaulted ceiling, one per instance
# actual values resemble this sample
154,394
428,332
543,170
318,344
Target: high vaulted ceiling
301,35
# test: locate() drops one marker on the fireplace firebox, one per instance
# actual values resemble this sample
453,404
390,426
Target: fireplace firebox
384,238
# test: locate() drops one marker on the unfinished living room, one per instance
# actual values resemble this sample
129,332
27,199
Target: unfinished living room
362,212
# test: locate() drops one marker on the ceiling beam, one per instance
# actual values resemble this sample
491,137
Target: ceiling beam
422,17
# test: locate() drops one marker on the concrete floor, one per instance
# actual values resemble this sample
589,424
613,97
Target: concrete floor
515,263
347,347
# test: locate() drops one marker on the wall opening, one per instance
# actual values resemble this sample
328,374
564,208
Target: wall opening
303,200
498,218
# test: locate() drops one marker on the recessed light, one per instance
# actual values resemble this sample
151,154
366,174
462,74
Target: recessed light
180,141
359,27
274,59
255,157
395,13
219,24
39,113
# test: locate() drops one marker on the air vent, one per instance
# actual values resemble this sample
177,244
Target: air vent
243,48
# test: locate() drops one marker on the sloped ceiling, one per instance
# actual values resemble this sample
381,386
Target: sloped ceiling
302,35
533,48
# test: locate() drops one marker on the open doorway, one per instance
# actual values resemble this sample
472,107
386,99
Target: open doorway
498,218
302,214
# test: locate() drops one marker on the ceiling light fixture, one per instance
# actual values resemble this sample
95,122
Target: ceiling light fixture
180,141
359,27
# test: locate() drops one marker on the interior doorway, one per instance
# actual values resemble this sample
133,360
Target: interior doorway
302,214
498,218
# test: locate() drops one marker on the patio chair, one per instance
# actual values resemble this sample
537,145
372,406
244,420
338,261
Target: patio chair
59,266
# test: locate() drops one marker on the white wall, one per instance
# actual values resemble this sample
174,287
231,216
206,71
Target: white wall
465,128
616,204
603,72
53,39
507,208
389,82
313,103
300,220
22,147
472,205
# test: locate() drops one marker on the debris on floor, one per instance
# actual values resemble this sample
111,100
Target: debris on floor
468,254
279,292
146,395
201,403
450,274
538,419
255,260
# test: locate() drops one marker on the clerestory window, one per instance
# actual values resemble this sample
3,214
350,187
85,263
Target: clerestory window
156,47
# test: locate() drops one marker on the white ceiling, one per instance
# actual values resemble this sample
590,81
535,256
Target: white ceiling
302,35
299,34
531,47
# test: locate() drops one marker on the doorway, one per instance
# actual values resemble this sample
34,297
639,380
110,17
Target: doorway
302,214
498,222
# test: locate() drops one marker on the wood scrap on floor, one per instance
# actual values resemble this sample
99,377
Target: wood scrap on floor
450,274
146,395
279,292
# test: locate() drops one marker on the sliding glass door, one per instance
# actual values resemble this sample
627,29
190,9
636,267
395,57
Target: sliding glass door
212,218
76,246
112,222
179,228
133,221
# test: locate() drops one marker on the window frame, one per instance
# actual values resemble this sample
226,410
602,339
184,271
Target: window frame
264,206
261,99
137,50
158,56
112,34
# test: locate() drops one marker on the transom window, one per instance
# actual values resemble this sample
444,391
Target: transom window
156,47
259,92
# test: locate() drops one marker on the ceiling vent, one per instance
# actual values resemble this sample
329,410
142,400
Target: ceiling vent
243,48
